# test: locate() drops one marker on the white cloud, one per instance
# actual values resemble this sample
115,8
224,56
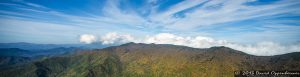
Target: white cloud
197,42
261,49
115,38
230,11
114,14
87,38
266,48
227,11
166,16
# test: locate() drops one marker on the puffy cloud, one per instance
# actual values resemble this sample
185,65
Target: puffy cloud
87,38
115,38
197,42
261,49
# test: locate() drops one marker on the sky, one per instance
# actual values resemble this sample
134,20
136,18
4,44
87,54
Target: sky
261,27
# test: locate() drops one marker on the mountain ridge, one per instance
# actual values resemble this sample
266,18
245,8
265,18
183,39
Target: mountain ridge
154,60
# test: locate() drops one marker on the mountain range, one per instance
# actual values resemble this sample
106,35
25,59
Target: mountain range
146,60
33,46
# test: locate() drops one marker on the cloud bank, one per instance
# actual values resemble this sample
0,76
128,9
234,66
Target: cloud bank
260,49
115,38
87,38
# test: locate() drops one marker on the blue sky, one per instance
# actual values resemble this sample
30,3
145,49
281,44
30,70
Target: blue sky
63,21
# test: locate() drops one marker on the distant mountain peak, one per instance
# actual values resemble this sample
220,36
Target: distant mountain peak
132,43
221,48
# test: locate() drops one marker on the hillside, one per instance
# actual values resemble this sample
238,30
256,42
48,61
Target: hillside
153,60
